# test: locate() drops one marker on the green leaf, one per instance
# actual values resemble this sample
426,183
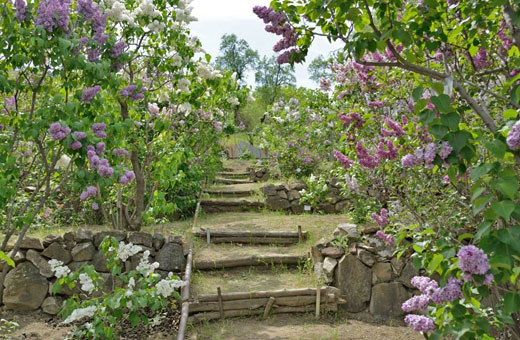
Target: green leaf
4,257
458,139
480,171
503,208
465,236
510,114
497,148
439,131
511,303
451,120
483,229
442,102
500,261
435,262
508,187
417,93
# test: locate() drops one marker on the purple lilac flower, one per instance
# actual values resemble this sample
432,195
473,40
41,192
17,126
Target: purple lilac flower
58,132
95,206
127,177
344,160
217,126
89,93
419,323
79,135
429,154
285,57
91,13
481,59
98,129
513,137
92,190
52,14
93,54
377,104
131,92
100,148
448,293
83,196
446,150
384,237
118,49
489,279
424,284
392,150
307,160
105,171
353,118
395,128
416,303
76,145
408,160
21,10
473,260
120,152
382,218
365,159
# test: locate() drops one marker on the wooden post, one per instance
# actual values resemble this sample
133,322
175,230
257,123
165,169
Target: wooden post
220,304
269,305
300,235
208,236
186,295
318,300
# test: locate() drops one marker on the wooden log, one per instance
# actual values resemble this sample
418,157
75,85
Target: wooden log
253,240
269,305
332,307
268,294
290,301
318,301
254,260
263,233
220,303
185,296
300,234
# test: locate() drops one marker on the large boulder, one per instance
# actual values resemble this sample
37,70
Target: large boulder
141,238
51,238
58,252
158,240
407,274
100,262
387,299
83,252
25,288
84,235
366,257
40,262
354,280
170,257
347,229
294,195
277,203
381,272
52,305
31,243
269,190
334,252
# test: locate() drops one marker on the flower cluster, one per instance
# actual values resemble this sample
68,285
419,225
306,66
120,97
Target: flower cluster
366,159
87,285
120,152
91,12
473,261
382,218
58,268
277,24
90,192
448,293
52,14
513,137
99,130
132,92
420,323
344,160
167,286
416,303
127,177
395,128
352,183
58,132
424,284
118,49
384,237
89,93
424,156
217,125
145,267
125,250
21,10
392,150
102,166
80,313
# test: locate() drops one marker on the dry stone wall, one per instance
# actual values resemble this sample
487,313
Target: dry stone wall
27,286
287,197
370,278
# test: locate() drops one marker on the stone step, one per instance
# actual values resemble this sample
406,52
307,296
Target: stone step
234,175
212,205
231,181
229,193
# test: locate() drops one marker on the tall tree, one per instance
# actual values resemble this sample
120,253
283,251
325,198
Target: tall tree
236,56
320,66
270,76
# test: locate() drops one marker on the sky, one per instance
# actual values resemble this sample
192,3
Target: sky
218,17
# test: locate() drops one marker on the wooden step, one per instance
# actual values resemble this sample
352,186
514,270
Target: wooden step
232,181
252,237
229,193
227,205
253,260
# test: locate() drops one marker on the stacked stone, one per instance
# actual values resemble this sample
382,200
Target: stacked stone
287,197
258,175
369,277
28,286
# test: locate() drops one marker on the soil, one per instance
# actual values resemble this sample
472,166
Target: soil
300,327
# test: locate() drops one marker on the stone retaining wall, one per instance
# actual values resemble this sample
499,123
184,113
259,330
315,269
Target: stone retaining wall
28,285
287,196
369,277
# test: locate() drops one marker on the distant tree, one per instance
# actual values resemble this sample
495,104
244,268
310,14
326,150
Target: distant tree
270,76
236,56
320,66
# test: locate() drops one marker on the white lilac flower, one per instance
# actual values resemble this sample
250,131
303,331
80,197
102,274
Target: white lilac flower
86,283
80,313
124,251
58,268
145,267
166,287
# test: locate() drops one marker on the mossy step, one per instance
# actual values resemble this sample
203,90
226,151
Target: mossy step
231,181
229,193
230,205
234,175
